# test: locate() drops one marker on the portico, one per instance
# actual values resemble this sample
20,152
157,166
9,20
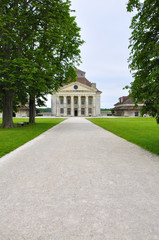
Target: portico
76,105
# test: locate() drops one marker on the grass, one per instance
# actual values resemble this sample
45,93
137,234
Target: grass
106,111
11,139
141,131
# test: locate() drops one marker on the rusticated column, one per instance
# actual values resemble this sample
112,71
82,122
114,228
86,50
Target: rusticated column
57,106
65,106
86,113
94,106
79,106
72,106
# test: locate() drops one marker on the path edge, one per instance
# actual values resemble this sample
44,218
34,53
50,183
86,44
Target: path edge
27,144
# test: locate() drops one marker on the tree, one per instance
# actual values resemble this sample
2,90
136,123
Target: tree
16,34
57,51
144,55
40,43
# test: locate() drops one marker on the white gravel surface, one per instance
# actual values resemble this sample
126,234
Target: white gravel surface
79,182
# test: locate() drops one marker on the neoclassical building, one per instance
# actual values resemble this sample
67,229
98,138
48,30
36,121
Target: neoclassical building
80,98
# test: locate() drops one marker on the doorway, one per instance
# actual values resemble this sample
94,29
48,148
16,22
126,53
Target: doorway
76,112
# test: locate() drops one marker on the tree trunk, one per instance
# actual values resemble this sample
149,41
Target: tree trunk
8,109
32,109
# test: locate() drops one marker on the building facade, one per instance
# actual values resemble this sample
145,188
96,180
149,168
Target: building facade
126,108
23,111
80,98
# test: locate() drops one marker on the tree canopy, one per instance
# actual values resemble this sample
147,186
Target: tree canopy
144,55
39,48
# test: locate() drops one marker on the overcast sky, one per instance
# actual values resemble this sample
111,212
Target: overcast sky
105,29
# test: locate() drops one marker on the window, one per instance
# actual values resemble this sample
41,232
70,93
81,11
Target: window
76,100
90,100
68,101
136,114
80,74
61,110
82,111
61,100
75,87
89,110
68,111
82,100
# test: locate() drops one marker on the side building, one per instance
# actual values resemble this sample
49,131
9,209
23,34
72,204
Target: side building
80,98
23,111
126,108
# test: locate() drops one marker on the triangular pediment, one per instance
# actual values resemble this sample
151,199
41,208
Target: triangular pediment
77,87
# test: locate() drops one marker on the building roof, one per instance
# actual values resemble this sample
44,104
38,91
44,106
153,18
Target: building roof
84,81
78,70
125,100
126,103
23,108
127,108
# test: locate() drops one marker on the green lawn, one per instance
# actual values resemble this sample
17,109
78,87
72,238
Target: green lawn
141,131
11,139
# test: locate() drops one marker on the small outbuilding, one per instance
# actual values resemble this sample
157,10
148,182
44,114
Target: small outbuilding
126,107
23,111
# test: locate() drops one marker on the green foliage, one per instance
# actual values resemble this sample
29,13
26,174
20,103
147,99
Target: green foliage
11,139
40,43
133,4
44,110
105,109
1,99
141,131
144,56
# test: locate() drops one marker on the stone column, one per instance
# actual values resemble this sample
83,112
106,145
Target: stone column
79,106
53,104
86,112
94,106
57,106
72,106
65,106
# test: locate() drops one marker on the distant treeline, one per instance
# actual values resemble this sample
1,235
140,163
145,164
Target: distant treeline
105,109
39,110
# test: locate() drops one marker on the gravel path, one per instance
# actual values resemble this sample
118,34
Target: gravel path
79,182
